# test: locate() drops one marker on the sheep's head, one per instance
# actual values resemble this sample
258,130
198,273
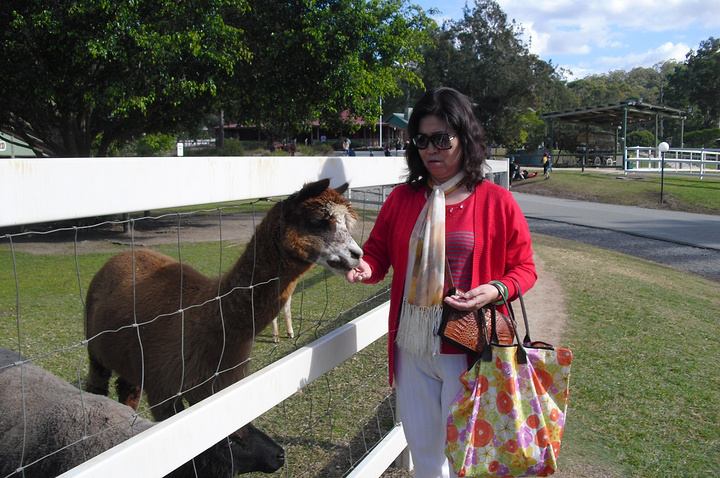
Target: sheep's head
318,223
246,450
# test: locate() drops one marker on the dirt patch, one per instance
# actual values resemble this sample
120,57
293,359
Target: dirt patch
545,305
142,232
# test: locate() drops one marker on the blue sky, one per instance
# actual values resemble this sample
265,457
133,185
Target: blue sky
588,37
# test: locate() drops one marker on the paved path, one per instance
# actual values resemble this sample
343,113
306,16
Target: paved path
699,230
688,242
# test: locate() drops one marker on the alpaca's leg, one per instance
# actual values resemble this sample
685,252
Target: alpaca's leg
128,393
276,332
165,408
288,319
98,381
288,323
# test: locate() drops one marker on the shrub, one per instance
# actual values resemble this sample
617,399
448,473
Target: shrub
706,138
641,138
155,145
317,149
232,147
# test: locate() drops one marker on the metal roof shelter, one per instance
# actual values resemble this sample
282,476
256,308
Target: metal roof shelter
617,117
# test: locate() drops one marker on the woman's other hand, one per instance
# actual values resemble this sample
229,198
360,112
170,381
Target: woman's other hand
474,298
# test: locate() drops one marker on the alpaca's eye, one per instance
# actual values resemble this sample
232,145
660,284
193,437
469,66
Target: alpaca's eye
317,222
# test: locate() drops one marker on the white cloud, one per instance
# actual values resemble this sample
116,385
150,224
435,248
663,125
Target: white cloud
597,36
594,36
667,51
605,64
582,25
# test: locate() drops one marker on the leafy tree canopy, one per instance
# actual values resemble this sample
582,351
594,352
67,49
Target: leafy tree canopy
483,56
313,59
83,74
90,72
696,83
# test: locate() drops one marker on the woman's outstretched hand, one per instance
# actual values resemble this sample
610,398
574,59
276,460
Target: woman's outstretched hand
360,273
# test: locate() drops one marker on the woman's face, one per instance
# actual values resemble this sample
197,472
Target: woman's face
442,164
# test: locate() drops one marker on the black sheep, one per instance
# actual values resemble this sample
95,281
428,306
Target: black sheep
43,419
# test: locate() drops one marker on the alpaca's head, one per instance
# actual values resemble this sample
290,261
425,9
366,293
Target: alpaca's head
318,222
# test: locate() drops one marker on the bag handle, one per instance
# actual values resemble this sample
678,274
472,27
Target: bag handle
526,340
486,355
511,311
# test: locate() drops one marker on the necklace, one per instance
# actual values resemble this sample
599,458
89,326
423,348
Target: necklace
448,186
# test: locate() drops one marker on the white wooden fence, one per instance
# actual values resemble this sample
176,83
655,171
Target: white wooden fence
677,161
45,190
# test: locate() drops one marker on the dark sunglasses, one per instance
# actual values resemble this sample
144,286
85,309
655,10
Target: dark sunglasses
440,140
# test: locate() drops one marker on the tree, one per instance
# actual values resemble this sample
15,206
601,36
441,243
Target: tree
312,60
604,89
483,56
696,83
86,73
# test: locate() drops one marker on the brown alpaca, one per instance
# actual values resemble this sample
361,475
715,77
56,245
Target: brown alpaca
195,334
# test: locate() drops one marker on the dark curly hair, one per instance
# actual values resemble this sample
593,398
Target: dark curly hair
456,109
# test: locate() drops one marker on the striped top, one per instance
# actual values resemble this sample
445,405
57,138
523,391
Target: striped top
460,241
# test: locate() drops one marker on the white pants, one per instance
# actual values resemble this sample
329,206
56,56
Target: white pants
426,388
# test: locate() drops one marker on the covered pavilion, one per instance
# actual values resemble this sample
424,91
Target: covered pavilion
616,118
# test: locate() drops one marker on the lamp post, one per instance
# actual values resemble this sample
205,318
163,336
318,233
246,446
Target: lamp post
662,149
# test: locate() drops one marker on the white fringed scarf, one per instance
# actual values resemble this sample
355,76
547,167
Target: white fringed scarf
425,276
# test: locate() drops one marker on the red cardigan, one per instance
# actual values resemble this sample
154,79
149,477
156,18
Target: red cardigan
503,249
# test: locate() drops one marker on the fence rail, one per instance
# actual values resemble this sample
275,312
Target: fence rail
219,415
45,190
688,162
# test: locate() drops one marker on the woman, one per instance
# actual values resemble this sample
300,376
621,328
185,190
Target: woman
445,205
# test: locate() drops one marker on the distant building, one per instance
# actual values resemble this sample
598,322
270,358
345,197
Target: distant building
13,147
394,128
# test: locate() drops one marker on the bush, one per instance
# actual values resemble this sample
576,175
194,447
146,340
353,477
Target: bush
317,149
155,145
124,149
641,138
232,147
706,138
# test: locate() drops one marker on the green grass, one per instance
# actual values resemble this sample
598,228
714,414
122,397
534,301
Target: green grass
643,397
326,427
680,193
646,341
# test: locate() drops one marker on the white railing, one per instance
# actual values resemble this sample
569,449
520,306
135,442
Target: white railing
218,416
45,190
694,162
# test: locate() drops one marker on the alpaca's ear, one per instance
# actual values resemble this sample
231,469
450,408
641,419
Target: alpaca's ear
312,190
341,189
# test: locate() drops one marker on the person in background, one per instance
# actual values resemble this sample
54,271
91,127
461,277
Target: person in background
515,173
546,165
445,207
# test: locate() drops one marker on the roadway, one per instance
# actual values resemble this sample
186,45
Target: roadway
699,230
685,241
